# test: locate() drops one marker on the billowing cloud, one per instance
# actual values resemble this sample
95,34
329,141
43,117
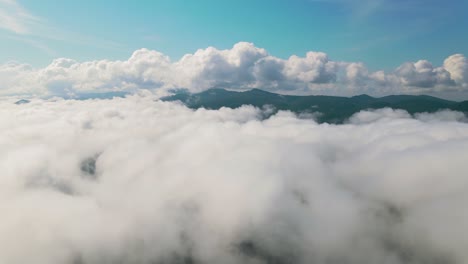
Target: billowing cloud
220,68
457,66
136,180
423,74
314,68
243,66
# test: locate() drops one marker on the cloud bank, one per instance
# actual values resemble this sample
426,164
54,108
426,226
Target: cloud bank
243,66
136,180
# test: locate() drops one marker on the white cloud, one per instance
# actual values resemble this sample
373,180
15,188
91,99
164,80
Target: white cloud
14,18
314,68
457,66
134,180
212,67
243,66
423,74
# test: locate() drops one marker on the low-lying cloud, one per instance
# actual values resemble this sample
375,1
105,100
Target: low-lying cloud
136,180
244,66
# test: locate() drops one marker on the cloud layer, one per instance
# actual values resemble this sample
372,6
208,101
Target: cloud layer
135,180
243,66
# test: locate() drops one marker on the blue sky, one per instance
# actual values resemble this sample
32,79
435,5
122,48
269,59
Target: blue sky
380,33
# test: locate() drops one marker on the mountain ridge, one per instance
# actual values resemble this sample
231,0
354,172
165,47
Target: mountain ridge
333,109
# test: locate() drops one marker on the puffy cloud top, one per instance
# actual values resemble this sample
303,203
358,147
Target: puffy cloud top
457,66
314,68
423,74
241,67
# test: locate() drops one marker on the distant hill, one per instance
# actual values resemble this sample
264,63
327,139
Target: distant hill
333,109
22,101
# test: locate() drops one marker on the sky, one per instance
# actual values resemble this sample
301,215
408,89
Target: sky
135,179
379,34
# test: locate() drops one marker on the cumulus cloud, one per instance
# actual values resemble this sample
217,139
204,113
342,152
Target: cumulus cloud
242,67
223,68
136,180
457,66
423,74
314,68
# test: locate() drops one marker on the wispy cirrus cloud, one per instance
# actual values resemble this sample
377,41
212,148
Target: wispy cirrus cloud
22,25
359,9
419,12
16,19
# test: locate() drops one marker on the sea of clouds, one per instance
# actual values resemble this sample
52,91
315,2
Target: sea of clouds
138,181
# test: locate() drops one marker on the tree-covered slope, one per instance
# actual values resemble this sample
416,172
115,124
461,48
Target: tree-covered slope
333,109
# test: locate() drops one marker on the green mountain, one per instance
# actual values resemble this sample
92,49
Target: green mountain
333,109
